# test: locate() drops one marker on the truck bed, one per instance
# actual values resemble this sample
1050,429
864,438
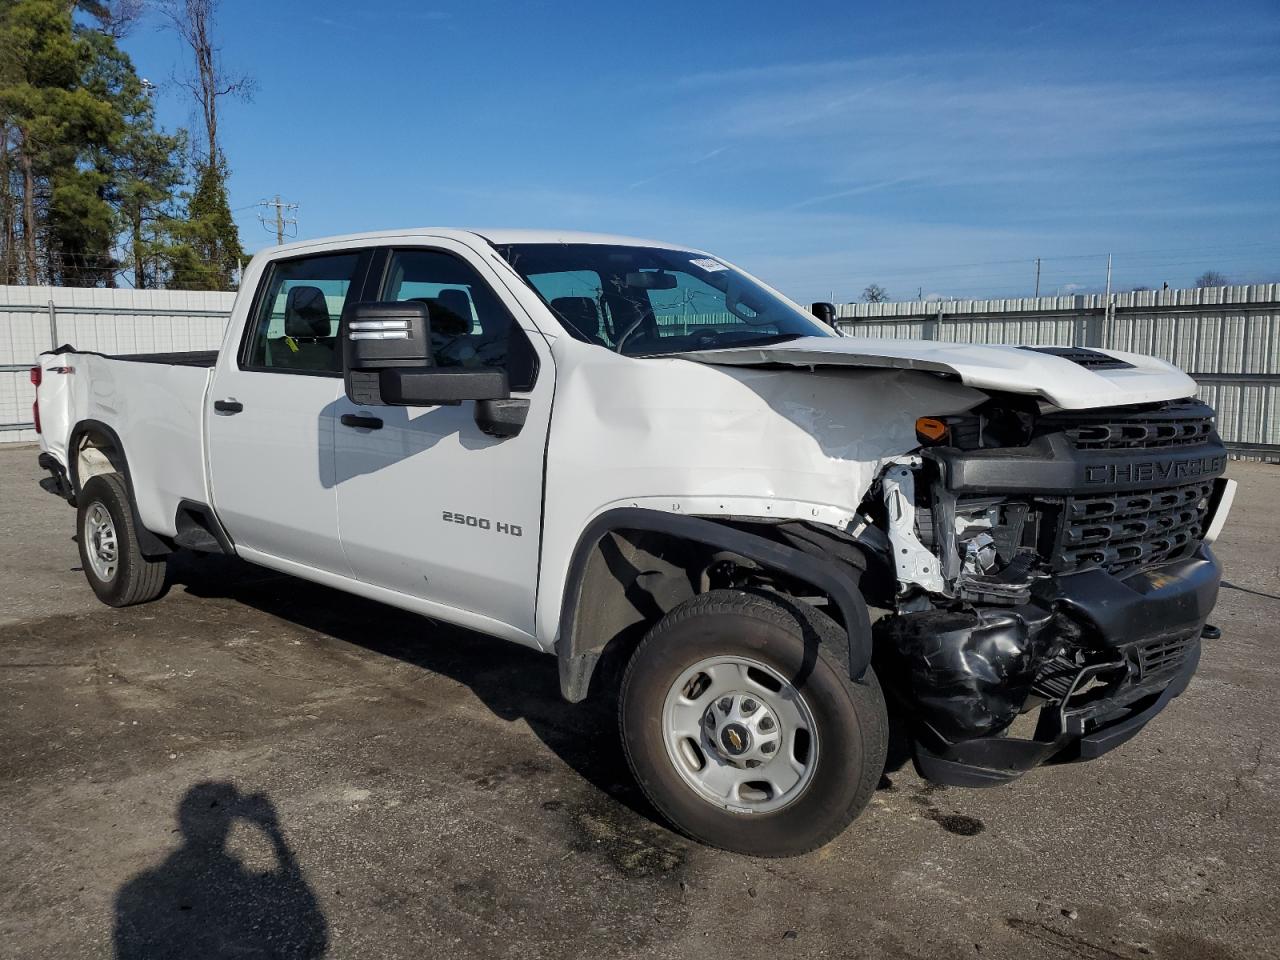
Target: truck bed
185,358
190,358
152,403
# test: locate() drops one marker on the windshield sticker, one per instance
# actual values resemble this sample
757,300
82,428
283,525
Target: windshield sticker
709,265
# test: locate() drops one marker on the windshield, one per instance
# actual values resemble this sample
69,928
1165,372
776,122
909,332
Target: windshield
643,301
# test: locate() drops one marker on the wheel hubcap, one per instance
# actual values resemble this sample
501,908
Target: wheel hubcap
100,541
740,734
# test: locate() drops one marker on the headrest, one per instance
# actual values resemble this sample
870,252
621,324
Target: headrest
443,320
455,309
306,313
581,313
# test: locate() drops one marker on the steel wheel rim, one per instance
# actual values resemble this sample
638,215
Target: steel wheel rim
718,720
101,545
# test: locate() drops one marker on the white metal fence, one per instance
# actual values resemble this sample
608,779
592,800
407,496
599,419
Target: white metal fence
35,319
1228,338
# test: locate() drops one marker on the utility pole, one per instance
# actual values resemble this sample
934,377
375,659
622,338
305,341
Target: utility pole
1108,278
1037,276
279,222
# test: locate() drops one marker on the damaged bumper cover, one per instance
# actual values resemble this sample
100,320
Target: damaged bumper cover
1100,655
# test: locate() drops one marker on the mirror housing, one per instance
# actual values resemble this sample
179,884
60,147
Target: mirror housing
826,312
387,360
382,336
650,280
440,386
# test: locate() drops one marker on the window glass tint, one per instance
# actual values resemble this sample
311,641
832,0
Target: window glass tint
645,300
469,325
296,327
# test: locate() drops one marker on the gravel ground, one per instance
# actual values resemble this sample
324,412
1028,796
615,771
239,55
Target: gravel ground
256,759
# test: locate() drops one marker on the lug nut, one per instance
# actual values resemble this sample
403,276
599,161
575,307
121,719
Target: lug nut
726,704
710,719
766,723
749,706
768,747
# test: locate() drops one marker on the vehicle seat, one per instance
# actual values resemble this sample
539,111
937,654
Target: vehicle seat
308,324
582,314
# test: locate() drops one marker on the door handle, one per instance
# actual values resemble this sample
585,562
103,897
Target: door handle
228,406
355,420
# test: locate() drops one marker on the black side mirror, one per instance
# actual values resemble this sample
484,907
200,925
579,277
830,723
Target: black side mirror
387,359
826,312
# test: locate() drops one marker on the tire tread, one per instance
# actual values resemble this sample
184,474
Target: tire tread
140,579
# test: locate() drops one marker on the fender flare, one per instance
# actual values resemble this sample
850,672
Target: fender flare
578,656
149,543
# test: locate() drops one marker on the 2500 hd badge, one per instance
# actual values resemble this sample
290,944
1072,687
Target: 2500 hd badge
482,523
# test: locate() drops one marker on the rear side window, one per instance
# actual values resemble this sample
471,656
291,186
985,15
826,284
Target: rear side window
295,328
470,327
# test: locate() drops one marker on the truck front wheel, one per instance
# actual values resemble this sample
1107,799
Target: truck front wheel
745,731
113,563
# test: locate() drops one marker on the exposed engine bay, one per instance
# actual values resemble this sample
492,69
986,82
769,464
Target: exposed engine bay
1044,560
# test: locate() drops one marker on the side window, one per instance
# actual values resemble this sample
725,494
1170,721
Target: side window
295,327
469,325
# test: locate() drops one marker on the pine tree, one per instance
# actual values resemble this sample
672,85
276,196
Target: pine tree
61,224
141,168
209,252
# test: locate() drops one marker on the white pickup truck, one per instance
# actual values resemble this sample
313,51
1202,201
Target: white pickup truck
629,453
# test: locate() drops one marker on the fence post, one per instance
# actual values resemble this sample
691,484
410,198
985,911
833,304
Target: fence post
932,327
53,325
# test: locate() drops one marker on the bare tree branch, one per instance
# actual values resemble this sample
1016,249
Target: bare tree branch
193,22
874,293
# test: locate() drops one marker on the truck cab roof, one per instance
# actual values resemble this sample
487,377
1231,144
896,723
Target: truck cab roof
493,235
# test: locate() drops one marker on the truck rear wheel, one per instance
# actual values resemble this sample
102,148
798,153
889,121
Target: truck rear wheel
745,731
113,563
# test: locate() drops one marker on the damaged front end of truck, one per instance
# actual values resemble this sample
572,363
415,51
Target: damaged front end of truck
1049,576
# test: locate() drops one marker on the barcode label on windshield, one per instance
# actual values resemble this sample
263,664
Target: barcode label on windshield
706,263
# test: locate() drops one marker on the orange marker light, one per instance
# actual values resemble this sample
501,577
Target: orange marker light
931,429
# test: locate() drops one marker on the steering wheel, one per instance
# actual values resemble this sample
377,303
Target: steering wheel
626,334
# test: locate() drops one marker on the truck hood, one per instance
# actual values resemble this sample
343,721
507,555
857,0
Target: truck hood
1063,382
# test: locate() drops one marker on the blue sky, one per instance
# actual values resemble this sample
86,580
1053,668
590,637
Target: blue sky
931,147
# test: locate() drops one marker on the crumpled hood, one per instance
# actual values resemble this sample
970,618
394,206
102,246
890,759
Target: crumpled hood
1060,381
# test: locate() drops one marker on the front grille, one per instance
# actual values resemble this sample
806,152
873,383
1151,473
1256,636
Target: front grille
1132,663
1163,656
1177,424
1121,531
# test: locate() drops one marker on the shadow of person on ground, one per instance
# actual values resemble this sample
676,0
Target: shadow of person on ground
202,901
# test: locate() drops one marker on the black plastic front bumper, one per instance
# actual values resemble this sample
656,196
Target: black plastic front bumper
1152,610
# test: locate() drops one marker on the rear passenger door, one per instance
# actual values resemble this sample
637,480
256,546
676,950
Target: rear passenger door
428,504
272,413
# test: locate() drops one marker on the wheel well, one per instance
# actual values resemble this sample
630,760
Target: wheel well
631,580
625,578
95,453
95,449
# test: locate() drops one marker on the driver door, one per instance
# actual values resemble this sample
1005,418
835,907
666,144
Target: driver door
429,505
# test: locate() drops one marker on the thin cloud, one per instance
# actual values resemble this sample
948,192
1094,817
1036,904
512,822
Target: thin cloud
703,158
852,192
